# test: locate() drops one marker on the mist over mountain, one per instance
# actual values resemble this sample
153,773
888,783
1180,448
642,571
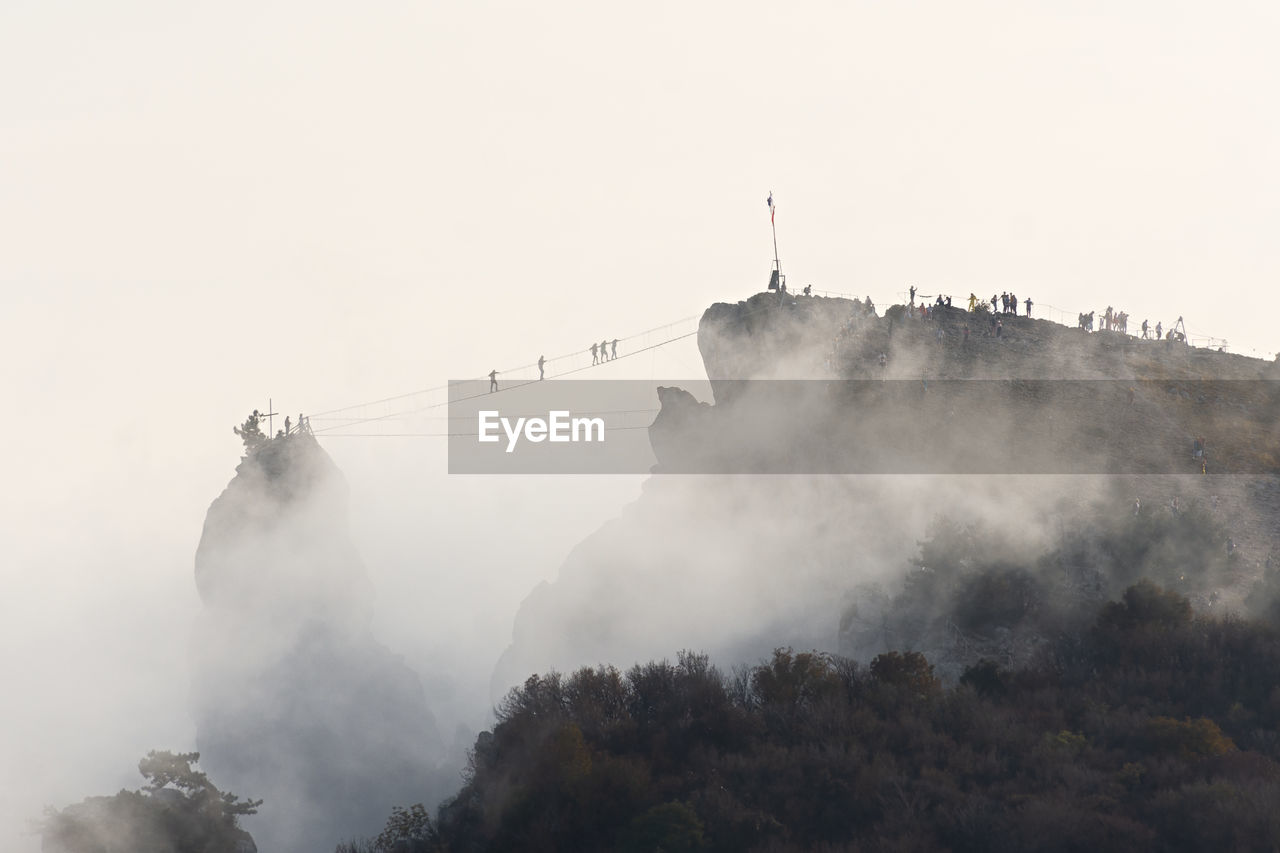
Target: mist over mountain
294,698
992,661
738,565
822,596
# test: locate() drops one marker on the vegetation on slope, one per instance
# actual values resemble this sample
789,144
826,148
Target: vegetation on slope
1152,730
1136,724
178,811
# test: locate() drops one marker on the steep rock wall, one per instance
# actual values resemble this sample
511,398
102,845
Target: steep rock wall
294,699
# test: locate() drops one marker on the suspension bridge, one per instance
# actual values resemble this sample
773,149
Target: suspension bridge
358,420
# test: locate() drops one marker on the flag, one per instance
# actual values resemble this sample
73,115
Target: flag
771,208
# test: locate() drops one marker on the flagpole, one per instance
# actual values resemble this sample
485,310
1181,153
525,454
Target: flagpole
774,226
775,244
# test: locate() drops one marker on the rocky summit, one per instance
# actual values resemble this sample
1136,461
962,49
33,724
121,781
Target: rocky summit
294,698
1041,432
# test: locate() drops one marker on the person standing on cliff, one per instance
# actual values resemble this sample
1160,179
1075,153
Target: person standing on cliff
1029,304
912,291
973,301
1013,304
1158,328
995,300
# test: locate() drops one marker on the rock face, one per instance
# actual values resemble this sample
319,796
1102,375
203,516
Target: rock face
737,565
294,699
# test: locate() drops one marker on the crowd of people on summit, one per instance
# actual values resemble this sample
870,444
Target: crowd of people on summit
1001,305
1112,320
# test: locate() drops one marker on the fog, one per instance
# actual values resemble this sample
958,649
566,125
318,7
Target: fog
202,211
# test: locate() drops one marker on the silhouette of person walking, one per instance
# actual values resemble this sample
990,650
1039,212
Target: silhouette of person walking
493,381
613,349
604,350
541,362
595,355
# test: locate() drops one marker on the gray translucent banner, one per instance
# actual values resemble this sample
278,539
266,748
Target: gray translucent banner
1171,426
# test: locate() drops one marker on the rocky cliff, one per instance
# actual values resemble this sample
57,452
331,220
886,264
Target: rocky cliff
293,697
736,565
811,337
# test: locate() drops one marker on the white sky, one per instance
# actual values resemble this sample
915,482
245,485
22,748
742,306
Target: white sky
203,206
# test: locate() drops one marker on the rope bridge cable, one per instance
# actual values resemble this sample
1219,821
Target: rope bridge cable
533,414
355,421
582,352
436,434
323,414
510,387
347,422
